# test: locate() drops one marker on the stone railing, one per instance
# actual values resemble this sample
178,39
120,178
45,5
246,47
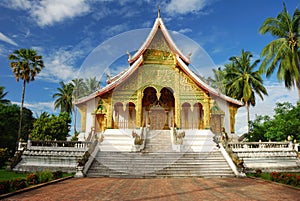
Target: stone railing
54,143
257,146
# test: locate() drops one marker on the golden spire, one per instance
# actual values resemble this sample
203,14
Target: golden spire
158,12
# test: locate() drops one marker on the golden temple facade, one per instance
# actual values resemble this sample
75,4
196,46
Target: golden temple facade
159,91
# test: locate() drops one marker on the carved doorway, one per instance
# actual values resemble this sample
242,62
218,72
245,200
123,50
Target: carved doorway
158,113
157,118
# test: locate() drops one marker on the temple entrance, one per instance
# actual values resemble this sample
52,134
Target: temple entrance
158,113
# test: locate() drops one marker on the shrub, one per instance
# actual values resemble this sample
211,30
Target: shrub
45,176
257,173
4,187
57,174
19,184
4,155
32,179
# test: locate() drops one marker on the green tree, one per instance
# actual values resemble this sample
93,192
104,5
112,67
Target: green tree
2,95
284,123
283,52
51,127
78,88
218,81
243,81
64,98
9,120
258,128
78,92
91,85
25,64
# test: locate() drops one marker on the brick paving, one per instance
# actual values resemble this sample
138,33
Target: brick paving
161,189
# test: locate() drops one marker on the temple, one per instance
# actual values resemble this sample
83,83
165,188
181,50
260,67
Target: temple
159,91
157,118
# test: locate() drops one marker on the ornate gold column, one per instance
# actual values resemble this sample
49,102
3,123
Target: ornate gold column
139,113
206,112
232,111
109,112
82,111
177,113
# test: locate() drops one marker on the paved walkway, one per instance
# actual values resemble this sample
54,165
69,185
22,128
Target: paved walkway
161,189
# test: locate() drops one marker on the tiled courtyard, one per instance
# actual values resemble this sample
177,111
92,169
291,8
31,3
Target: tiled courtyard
161,189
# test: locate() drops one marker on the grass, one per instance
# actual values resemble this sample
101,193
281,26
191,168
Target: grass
7,175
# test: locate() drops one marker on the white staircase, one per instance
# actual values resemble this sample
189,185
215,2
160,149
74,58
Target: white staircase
119,140
158,141
159,160
198,141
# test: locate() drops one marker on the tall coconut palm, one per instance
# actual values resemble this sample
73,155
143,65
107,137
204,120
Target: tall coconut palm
91,85
78,91
25,64
283,53
2,95
243,81
218,81
64,98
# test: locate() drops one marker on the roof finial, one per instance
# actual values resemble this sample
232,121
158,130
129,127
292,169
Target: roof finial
158,11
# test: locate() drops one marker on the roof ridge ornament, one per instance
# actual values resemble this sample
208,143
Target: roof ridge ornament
158,11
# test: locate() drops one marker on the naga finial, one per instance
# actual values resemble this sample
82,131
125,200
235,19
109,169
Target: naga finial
158,12
129,55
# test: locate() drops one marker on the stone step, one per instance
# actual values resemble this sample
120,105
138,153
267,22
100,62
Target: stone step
169,164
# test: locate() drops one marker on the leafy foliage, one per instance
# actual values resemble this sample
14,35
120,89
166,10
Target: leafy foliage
240,80
2,95
9,120
3,156
286,122
64,98
51,127
282,54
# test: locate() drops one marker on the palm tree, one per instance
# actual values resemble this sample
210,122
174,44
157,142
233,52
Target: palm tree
283,53
243,81
91,85
78,92
79,88
2,95
64,97
218,81
25,64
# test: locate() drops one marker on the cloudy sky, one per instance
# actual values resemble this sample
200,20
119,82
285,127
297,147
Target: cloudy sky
66,32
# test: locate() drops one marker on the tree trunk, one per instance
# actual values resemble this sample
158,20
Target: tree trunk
248,116
21,113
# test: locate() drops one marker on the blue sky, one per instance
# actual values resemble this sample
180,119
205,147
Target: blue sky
65,32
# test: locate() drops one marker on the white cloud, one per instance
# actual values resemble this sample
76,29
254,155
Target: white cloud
48,12
7,39
113,30
277,93
186,30
38,107
59,65
185,7
18,4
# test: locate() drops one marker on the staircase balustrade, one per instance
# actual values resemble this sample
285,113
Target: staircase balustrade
55,143
239,146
